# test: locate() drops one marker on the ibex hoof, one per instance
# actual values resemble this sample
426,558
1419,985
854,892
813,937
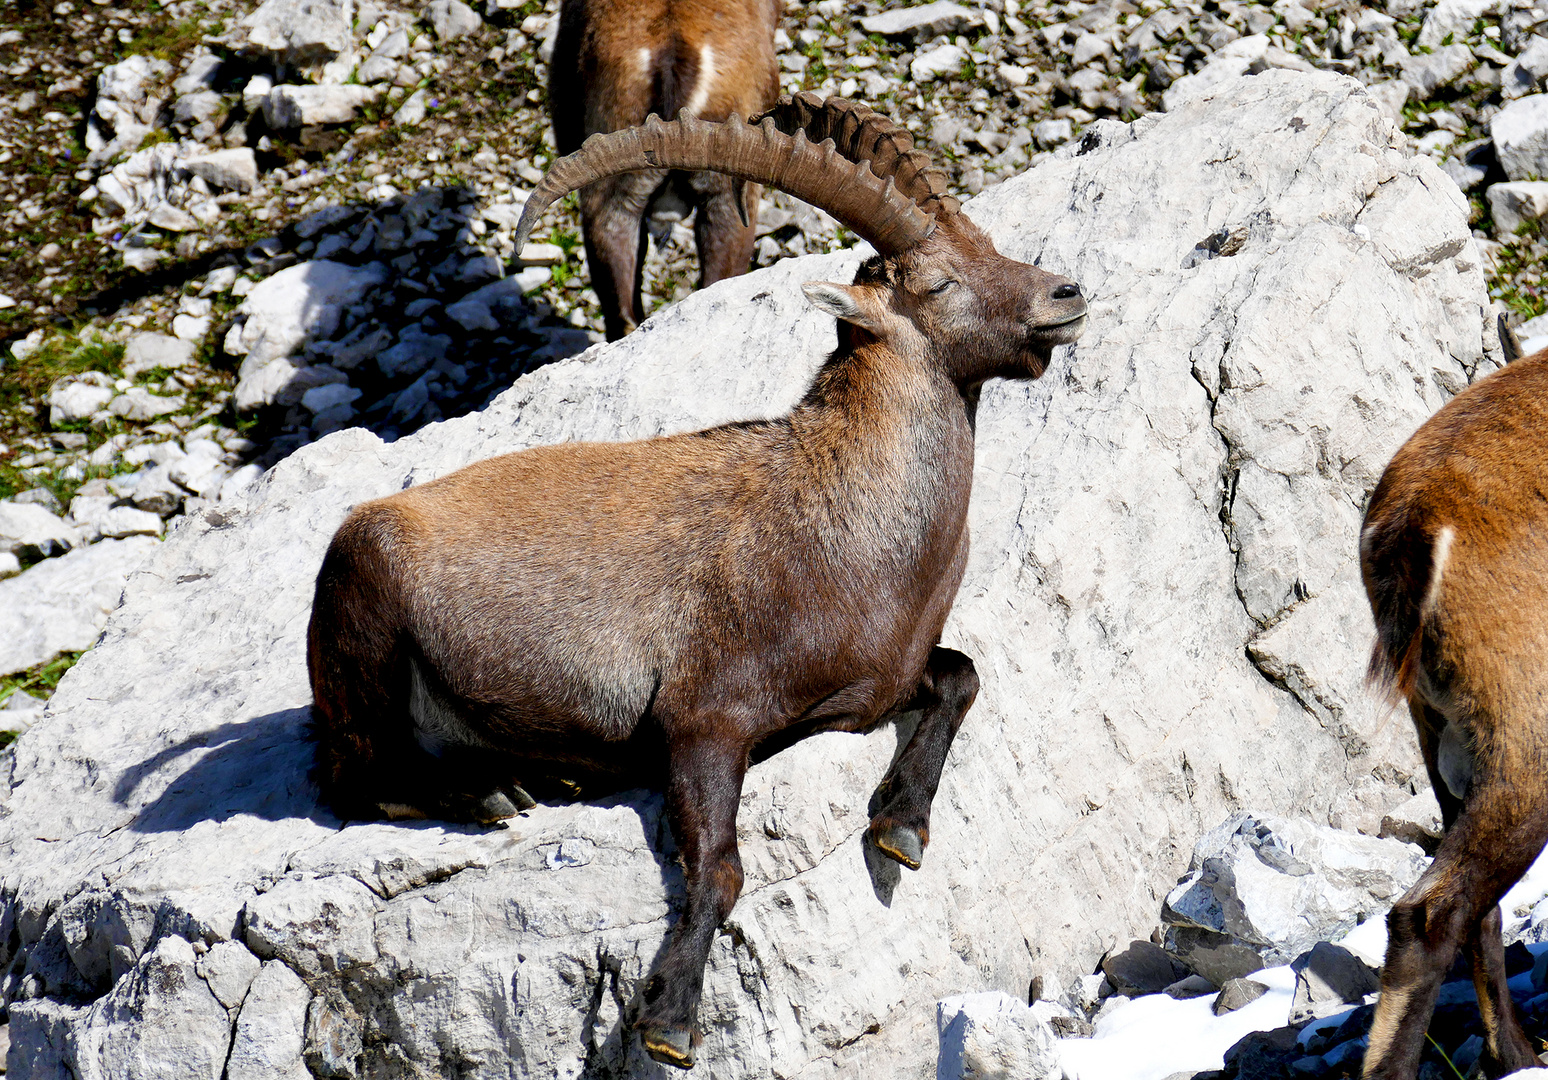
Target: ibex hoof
900,843
670,1046
520,797
494,807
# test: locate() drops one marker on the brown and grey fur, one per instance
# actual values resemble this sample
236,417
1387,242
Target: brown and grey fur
665,612
1455,558
618,61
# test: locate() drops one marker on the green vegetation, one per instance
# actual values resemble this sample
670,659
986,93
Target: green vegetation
168,40
40,682
1519,277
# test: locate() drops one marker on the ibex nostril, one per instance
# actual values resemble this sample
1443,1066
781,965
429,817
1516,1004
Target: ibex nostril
1067,292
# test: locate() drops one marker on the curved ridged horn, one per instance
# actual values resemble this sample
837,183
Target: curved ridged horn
861,133
871,206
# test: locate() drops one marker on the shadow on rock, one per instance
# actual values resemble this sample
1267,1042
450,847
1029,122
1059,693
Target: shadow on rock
259,767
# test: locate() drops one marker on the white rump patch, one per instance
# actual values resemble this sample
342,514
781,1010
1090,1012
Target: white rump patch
644,55
436,723
1440,555
706,83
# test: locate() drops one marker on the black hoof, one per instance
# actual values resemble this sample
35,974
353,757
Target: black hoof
520,797
670,1046
901,844
492,808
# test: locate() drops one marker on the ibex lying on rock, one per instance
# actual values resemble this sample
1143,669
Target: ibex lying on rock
665,611
618,61
1455,558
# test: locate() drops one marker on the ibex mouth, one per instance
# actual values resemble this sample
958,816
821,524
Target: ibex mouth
1062,332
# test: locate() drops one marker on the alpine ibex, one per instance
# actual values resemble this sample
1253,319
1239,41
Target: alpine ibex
666,611
1455,558
616,62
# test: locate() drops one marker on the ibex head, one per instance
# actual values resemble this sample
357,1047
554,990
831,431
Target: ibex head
937,289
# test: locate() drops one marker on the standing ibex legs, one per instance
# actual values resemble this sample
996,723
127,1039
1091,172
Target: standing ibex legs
613,213
725,244
703,790
1493,834
900,825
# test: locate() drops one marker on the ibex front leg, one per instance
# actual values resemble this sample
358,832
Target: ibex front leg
703,791
900,827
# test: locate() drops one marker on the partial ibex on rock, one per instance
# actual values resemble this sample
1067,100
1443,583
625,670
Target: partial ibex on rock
616,62
1455,558
666,611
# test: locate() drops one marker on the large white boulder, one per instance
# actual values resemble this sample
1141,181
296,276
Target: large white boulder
1279,296
60,605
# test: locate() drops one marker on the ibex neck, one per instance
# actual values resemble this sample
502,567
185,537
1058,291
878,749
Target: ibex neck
888,442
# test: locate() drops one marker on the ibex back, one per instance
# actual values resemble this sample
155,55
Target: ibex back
1455,558
668,611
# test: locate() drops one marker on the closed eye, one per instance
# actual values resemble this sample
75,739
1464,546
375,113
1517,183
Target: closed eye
942,287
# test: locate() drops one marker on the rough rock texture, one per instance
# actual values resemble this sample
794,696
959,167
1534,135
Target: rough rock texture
1279,886
993,1036
61,604
1183,484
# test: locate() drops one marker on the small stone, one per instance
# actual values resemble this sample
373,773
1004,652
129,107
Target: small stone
1052,133
1143,968
1417,821
172,219
191,328
1190,987
49,252
933,63
29,531
1328,978
412,111
138,403
1520,134
535,254
993,1035
300,32
151,350
1428,72
228,969
925,21
75,397
321,398
39,496
290,106
452,19
1236,993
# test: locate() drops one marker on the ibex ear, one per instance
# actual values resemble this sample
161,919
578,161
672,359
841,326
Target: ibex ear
847,302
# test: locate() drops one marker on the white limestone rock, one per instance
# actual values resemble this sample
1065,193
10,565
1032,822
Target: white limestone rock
993,1036
300,305
60,605
235,169
1281,885
1520,134
150,350
924,21
30,531
294,106
1270,318
75,397
306,32
452,19
271,1029
1516,203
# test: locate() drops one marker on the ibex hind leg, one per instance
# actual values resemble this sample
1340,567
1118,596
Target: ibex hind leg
457,776
1491,841
900,817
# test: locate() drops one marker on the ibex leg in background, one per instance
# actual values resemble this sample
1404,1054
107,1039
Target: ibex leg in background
613,213
725,243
